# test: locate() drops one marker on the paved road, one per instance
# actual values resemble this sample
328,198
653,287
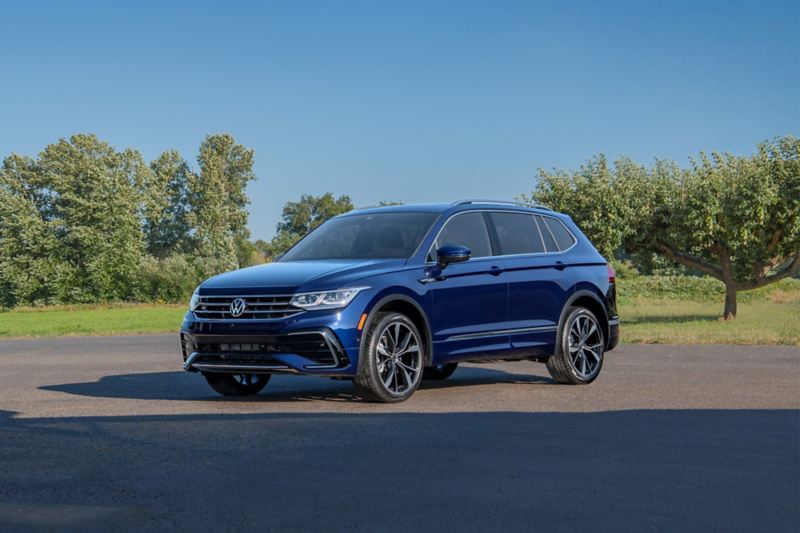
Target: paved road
106,433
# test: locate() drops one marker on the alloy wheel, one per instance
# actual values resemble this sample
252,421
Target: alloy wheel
399,358
585,346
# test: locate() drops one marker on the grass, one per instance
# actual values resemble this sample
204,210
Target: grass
771,319
689,322
114,319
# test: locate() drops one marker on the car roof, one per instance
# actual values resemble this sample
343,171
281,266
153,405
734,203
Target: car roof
453,207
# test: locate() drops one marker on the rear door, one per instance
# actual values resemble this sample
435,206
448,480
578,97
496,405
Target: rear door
470,299
539,279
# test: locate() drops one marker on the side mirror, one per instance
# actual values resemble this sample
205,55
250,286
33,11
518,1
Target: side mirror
452,253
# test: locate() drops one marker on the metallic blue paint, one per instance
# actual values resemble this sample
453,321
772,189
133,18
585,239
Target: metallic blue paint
490,307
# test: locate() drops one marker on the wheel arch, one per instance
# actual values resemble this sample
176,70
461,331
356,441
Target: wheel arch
406,305
592,302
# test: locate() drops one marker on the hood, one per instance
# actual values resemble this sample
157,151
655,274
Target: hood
298,276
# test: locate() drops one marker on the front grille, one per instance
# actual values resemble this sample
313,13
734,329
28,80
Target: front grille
261,307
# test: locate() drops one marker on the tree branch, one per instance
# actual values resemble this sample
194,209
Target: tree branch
789,269
689,260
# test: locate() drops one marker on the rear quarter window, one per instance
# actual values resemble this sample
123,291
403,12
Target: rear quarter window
564,239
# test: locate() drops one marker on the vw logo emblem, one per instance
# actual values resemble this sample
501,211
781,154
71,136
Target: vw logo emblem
238,306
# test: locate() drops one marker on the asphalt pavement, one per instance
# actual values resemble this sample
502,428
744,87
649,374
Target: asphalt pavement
107,433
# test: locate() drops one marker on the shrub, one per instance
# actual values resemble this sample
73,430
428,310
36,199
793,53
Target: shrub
171,279
698,288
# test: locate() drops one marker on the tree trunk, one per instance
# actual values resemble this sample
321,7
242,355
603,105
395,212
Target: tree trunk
730,303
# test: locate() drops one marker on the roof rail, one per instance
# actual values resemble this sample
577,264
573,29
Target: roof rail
499,202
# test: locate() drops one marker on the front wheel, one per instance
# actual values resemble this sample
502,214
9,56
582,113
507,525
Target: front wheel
390,368
581,349
237,384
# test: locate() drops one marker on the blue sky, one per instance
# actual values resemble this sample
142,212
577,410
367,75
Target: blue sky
408,101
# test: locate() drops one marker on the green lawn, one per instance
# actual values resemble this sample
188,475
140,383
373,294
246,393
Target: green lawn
644,320
688,322
91,320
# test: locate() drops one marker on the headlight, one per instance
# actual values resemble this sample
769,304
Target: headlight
195,301
325,299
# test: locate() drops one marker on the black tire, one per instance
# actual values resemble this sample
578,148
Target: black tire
439,372
583,367
374,368
237,384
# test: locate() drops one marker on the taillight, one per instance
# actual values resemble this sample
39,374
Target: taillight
612,276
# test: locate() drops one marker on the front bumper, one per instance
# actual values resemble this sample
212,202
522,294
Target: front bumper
324,342
309,351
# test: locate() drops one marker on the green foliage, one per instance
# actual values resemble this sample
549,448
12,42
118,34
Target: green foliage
27,239
736,219
609,203
87,223
218,202
166,205
170,279
695,288
301,217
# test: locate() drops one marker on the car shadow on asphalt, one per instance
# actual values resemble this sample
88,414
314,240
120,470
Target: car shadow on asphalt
630,470
184,386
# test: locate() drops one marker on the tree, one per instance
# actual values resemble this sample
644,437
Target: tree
609,202
736,219
94,206
304,215
301,217
27,238
166,205
218,202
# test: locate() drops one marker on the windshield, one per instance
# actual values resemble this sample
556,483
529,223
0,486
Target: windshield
375,236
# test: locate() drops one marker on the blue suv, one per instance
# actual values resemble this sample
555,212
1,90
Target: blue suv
390,296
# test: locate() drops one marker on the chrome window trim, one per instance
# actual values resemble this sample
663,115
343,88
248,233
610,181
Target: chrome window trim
530,254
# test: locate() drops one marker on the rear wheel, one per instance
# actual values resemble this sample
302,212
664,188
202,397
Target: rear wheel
581,349
237,384
439,372
391,365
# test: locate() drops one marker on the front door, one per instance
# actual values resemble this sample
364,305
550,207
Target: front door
470,299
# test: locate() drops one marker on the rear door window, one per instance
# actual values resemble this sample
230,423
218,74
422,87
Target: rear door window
517,233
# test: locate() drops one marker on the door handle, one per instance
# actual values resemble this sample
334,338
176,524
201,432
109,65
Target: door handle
495,271
560,265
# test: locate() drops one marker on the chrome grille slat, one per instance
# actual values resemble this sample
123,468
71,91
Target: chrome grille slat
258,307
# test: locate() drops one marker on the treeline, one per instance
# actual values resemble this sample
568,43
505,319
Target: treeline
736,219
83,222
